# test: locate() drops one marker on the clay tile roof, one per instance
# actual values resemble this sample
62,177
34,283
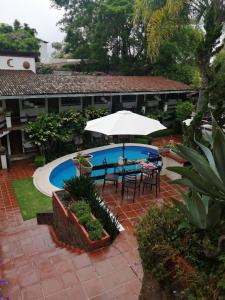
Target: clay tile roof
19,83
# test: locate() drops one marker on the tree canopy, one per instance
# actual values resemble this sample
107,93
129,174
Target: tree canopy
18,38
103,32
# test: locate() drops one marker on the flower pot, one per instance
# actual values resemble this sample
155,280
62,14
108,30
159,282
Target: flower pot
88,156
86,169
91,245
83,169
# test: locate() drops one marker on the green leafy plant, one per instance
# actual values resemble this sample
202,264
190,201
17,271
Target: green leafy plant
163,235
79,188
84,187
82,160
92,112
204,204
83,212
50,132
39,161
183,110
200,210
207,174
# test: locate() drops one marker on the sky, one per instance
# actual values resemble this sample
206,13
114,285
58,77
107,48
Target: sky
38,14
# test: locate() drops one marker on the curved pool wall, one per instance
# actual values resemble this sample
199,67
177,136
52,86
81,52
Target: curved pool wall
67,169
51,177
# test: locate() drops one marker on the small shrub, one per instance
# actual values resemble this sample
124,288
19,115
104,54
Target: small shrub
80,208
83,212
163,234
80,187
183,111
39,161
84,188
66,197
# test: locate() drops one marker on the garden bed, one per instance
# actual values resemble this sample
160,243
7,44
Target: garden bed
74,229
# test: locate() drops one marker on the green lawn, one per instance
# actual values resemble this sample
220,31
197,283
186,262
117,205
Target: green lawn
30,200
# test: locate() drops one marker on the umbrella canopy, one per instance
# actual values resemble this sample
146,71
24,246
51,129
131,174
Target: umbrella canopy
124,123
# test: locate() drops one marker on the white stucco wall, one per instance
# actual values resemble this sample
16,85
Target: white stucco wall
44,56
17,63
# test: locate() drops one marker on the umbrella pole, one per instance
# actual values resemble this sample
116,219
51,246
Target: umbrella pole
123,150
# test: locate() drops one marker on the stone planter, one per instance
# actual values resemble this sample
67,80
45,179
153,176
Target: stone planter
68,229
63,212
89,157
84,170
89,244
171,159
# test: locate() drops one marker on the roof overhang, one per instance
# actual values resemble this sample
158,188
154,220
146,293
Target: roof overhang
97,94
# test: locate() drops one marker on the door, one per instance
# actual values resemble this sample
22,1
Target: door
116,104
12,105
15,138
53,105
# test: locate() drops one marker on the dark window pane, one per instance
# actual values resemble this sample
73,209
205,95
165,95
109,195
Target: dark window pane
101,99
129,98
71,101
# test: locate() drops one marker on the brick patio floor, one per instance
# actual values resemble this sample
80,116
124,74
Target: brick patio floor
35,268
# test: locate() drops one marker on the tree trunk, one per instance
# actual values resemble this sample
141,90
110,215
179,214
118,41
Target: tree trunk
202,99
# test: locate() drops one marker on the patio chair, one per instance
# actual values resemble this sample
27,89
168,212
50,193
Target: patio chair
152,179
113,177
131,182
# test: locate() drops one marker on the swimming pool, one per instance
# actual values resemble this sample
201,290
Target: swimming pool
67,169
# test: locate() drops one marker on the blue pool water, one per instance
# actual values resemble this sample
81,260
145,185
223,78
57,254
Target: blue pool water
67,169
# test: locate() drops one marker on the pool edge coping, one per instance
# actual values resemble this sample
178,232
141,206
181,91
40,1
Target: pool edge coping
42,174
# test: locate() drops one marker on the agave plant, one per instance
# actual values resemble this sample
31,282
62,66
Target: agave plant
206,181
207,173
200,210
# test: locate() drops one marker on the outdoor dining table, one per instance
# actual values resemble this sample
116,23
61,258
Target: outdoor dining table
144,168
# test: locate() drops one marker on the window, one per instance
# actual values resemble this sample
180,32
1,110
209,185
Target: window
71,101
33,103
129,98
101,99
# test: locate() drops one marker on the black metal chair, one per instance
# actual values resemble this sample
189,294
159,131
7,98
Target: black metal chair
113,177
152,178
132,182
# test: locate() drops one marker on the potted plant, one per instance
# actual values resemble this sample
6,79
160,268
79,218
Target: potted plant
83,164
3,157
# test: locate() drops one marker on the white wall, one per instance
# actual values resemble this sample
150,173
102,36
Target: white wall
17,63
44,56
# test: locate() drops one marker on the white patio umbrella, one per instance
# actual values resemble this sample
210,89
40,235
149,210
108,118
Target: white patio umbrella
124,123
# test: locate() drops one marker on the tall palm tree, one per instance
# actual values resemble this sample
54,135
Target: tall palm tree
164,17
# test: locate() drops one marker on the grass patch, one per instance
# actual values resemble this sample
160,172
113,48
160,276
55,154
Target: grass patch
29,199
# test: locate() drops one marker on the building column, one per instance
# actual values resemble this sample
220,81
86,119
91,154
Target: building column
8,145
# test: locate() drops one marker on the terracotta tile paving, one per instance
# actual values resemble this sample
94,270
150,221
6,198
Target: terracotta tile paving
35,268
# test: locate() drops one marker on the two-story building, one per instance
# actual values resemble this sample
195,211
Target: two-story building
25,94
